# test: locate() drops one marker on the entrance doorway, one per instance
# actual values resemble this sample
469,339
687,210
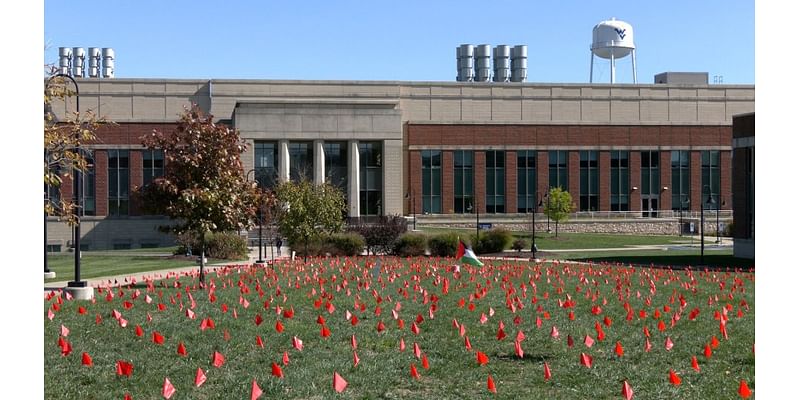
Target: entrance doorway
650,207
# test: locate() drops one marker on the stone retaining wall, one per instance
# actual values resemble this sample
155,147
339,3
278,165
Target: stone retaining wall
649,227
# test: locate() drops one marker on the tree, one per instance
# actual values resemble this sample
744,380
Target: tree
558,205
65,143
203,188
308,211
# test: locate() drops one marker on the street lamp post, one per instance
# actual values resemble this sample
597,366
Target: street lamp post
477,218
710,201
723,203
77,283
547,197
413,207
533,226
260,217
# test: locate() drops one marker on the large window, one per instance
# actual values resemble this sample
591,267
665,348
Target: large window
336,164
495,181
152,165
558,163
462,181
526,180
680,180
301,161
89,189
370,182
266,164
711,184
432,181
620,182
651,184
589,180
118,178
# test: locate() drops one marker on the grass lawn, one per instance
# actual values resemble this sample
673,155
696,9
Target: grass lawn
548,241
673,258
111,263
247,304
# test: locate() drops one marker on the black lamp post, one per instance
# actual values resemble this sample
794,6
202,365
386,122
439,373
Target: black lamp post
77,283
709,202
723,203
413,207
260,217
477,219
533,226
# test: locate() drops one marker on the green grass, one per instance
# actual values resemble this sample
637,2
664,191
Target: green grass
548,241
384,371
117,262
674,258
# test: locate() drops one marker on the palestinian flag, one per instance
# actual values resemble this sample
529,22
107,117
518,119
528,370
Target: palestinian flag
466,256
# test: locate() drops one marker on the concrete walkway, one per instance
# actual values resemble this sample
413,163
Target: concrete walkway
158,274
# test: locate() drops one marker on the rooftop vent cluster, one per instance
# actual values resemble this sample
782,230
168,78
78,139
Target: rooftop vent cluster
510,63
72,62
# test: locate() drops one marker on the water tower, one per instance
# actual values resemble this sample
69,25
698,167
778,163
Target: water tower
612,40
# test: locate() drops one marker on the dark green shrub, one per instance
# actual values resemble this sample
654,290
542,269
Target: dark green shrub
493,241
410,245
344,244
381,235
222,245
519,244
443,244
316,247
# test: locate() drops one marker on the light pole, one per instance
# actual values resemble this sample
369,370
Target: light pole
723,203
260,215
77,283
710,201
547,197
477,219
533,226
413,207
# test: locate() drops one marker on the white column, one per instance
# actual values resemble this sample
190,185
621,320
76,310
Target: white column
353,175
283,161
319,162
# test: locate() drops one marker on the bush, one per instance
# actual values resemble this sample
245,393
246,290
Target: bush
221,245
443,244
344,244
380,236
316,247
410,245
519,244
493,241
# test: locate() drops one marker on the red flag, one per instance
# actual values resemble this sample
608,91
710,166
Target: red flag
414,373
353,342
64,331
554,332
218,359
50,314
627,390
199,377
570,342
279,326
339,384
259,342
490,385
586,360
86,359
139,331
277,371
674,378
714,342
356,360
285,358
181,349
467,344
259,320
66,347
321,320
744,390
122,322
297,343
668,344
157,338
588,341
417,351
255,391
168,390
380,326
647,345
124,368
501,334
695,365
462,330
425,363
127,397
483,359
619,350
520,336
415,328
707,351
518,349
547,373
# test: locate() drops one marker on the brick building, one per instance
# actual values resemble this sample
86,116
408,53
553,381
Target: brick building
639,150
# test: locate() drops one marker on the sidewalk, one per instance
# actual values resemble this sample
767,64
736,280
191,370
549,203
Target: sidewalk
160,274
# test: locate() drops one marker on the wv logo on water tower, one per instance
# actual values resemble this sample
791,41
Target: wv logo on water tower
620,32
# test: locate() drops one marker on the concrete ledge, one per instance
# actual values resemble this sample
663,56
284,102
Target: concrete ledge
80,293
49,275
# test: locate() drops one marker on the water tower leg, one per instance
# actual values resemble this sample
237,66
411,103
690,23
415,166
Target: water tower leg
613,71
591,65
633,61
